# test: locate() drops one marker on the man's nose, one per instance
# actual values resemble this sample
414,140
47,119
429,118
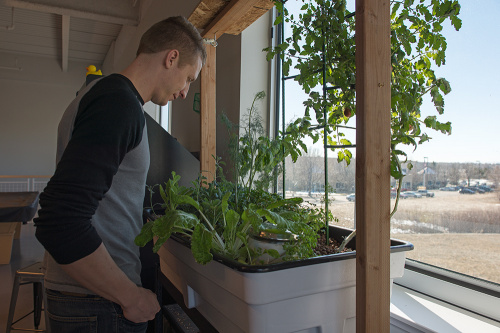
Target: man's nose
183,93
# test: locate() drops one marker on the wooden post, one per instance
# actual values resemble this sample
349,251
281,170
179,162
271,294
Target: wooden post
217,18
373,105
208,115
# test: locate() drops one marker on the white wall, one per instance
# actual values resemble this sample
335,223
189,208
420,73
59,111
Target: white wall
32,102
255,67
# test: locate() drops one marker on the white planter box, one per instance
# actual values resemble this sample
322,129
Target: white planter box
313,295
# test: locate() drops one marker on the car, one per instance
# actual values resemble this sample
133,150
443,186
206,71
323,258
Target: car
411,194
477,189
404,195
448,188
351,197
466,190
485,188
426,193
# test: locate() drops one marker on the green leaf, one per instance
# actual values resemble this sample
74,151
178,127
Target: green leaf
288,201
273,253
162,227
251,216
186,199
163,195
232,218
201,244
457,23
158,244
145,236
275,218
224,204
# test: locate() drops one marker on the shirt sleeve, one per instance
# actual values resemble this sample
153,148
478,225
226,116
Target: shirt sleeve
106,128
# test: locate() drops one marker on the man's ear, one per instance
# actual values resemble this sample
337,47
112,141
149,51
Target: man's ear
171,58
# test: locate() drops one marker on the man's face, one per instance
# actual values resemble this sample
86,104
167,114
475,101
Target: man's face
176,83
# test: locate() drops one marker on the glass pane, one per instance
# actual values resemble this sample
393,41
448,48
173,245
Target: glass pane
449,227
455,228
306,177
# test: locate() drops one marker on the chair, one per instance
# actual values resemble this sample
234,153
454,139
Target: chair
30,274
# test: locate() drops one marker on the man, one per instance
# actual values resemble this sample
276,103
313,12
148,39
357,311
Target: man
91,210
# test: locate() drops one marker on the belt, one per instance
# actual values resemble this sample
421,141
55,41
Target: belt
68,293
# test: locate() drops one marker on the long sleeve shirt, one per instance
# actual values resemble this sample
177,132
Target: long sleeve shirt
97,191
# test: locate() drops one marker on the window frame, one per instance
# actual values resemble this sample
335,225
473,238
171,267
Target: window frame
165,117
458,289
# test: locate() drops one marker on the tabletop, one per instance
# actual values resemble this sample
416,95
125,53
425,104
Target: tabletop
18,206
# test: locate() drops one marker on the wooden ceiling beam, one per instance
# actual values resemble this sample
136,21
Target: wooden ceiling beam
217,17
205,12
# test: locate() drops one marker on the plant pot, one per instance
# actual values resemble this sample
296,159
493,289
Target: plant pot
268,239
311,295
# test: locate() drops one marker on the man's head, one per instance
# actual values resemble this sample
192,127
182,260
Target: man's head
174,33
170,56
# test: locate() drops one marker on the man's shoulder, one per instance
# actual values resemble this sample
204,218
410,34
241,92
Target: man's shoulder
113,90
113,83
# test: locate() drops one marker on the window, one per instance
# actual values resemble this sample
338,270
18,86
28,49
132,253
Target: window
454,218
165,116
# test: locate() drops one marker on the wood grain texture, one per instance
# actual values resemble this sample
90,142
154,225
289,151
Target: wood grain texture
205,12
373,106
208,115
217,17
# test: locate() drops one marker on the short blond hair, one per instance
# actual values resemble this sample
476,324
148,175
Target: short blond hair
175,32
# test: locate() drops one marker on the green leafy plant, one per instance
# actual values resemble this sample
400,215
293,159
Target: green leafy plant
257,157
321,48
217,217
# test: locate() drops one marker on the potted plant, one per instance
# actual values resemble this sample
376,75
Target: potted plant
204,239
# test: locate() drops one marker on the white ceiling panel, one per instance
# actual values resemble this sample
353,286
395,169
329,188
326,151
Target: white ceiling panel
35,28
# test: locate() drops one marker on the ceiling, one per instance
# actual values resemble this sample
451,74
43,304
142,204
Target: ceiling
65,30
84,30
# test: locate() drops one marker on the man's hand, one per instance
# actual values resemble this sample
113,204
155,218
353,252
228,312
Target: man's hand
144,308
99,273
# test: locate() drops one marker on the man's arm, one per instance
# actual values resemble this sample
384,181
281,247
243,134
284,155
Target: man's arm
99,273
107,126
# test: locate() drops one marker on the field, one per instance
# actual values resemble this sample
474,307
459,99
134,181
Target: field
456,231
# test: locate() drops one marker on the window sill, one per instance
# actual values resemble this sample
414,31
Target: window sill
415,312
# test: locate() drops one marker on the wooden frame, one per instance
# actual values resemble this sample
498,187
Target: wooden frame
218,17
208,115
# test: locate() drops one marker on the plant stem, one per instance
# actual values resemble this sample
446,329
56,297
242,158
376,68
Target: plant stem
219,239
399,184
346,240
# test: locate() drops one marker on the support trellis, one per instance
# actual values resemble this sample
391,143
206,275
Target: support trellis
326,146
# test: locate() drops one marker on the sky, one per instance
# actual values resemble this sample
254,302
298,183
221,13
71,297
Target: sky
473,106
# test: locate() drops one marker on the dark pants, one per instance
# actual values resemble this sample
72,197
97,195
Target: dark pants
87,314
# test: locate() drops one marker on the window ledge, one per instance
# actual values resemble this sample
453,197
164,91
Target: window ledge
415,312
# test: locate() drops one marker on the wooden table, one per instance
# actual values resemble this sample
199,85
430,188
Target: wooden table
15,208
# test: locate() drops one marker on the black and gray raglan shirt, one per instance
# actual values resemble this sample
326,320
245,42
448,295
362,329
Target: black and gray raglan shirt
97,191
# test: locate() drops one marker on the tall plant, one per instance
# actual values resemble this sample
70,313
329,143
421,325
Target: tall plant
257,157
321,47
